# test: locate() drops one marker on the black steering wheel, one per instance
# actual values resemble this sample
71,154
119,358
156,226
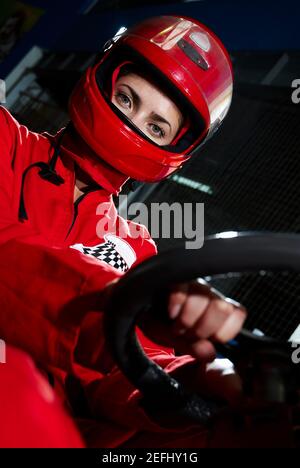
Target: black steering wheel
265,364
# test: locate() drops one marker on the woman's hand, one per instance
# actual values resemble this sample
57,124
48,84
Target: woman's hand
202,316
199,316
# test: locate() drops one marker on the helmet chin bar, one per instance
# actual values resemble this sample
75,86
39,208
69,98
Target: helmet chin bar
186,141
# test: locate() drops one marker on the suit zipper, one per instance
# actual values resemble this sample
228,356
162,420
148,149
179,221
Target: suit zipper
75,205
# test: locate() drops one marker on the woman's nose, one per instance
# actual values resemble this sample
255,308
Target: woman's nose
138,119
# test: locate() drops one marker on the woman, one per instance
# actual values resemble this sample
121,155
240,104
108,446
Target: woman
157,92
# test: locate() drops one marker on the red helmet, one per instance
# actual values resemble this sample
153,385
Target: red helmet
187,61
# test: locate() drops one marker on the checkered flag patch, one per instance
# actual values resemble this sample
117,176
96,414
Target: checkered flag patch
107,253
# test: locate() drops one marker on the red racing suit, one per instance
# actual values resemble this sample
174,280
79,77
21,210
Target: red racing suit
53,252
31,415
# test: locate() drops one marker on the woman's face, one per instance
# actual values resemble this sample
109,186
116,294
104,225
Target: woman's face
147,107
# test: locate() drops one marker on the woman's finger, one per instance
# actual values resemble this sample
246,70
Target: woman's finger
213,319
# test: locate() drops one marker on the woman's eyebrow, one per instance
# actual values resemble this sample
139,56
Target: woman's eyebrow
159,118
135,96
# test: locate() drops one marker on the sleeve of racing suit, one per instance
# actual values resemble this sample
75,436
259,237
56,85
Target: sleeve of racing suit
37,282
37,286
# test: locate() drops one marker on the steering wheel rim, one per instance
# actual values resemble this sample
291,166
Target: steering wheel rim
245,252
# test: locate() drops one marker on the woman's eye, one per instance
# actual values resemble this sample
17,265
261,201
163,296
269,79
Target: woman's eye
157,131
124,100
